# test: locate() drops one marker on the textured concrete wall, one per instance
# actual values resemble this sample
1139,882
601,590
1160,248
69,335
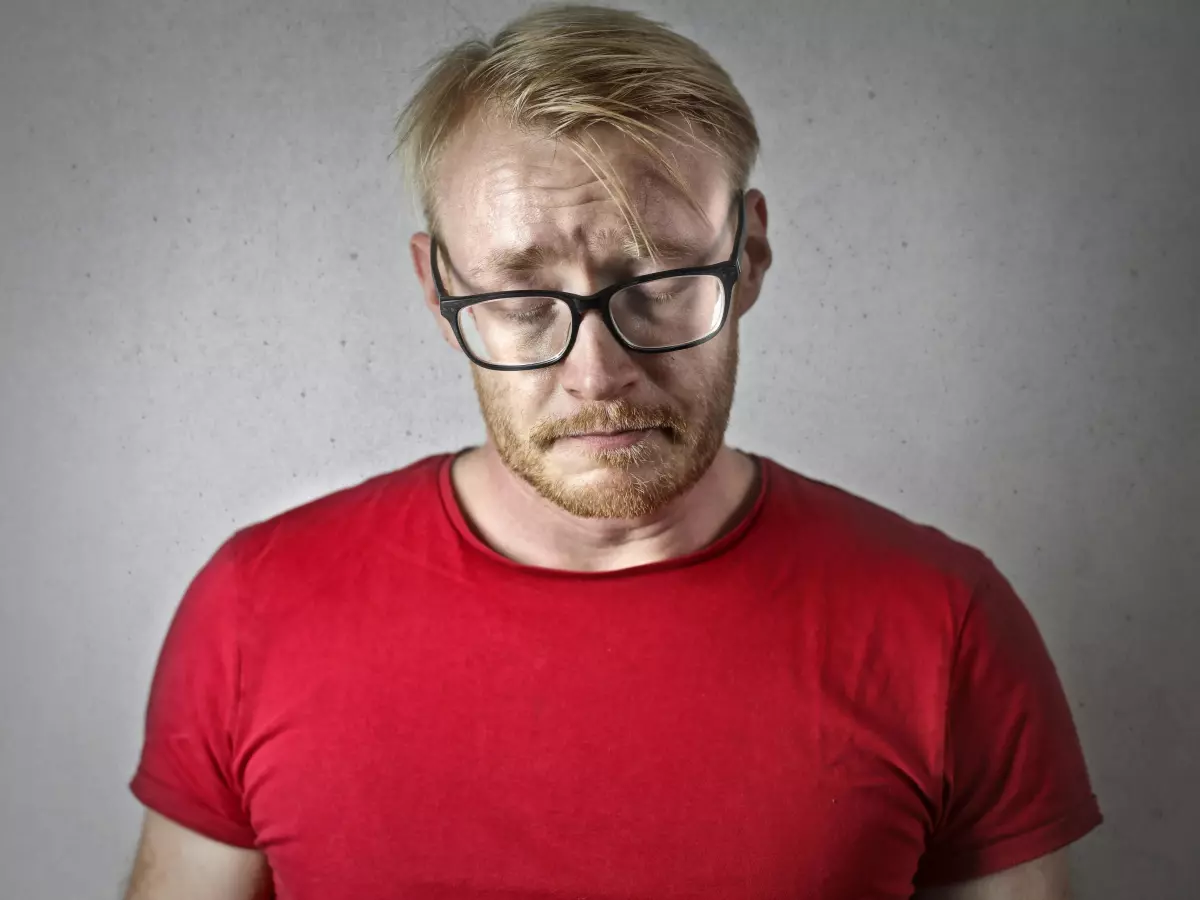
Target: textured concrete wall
984,312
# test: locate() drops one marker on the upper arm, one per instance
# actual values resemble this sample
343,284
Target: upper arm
174,863
188,771
1046,878
1015,786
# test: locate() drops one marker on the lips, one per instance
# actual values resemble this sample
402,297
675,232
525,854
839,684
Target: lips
613,433
609,440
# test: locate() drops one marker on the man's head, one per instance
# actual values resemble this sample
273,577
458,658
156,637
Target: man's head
581,148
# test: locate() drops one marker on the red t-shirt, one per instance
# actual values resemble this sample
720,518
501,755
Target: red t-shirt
829,702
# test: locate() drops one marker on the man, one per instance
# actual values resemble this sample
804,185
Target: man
603,655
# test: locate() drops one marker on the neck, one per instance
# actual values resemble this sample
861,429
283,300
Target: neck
517,522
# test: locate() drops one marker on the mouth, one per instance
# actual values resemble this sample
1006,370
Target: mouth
606,432
611,440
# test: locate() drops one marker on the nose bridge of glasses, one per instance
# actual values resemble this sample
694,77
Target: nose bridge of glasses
593,302
602,321
597,340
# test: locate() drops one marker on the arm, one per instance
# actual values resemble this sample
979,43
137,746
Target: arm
197,840
174,863
1046,878
1015,788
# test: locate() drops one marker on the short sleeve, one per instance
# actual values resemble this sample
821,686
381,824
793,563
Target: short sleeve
187,770
1015,782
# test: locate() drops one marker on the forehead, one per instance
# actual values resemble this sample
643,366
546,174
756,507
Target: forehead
498,186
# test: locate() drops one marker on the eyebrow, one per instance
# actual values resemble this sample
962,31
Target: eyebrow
532,258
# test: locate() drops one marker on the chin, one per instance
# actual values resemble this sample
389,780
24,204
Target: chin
615,496
642,461
601,474
609,489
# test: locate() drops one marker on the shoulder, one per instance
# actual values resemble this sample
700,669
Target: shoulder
845,522
318,539
876,556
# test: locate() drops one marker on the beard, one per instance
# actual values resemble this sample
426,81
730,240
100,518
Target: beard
633,482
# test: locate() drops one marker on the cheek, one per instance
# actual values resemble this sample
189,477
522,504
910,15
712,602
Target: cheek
519,397
687,375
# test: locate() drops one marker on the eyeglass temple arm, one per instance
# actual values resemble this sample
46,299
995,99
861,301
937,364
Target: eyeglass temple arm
433,267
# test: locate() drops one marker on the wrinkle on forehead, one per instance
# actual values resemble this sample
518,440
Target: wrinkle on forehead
601,243
502,186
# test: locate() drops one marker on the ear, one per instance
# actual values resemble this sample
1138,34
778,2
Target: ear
419,248
756,253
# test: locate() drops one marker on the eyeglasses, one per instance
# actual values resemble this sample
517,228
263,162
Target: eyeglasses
655,313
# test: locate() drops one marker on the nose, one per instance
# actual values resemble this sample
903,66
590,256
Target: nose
597,368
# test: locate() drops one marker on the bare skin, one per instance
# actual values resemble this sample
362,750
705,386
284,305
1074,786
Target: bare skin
504,190
559,540
1047,878
177,863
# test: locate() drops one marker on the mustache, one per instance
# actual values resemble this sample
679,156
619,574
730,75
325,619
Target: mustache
620,415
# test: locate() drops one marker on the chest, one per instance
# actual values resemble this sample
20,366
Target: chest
476,750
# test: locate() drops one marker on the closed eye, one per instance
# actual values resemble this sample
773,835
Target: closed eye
529,315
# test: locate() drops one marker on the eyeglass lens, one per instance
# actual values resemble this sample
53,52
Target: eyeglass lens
653,315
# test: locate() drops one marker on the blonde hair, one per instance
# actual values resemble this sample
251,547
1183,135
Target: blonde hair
562,71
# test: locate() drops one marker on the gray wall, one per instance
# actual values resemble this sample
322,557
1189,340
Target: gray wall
984,313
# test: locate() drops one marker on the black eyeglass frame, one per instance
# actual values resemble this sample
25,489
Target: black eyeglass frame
729,271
